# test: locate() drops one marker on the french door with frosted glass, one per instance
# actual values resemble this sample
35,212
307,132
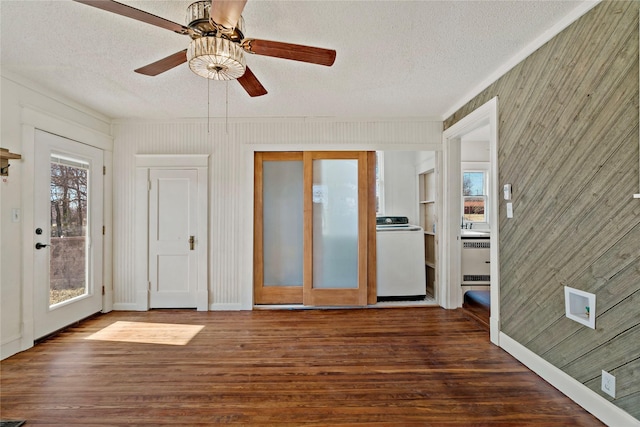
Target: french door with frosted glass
68,232
313,228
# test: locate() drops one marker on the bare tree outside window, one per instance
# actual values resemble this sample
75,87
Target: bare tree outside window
68,266
474,197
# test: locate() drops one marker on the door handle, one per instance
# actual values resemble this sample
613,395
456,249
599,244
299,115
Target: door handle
192,241
41,245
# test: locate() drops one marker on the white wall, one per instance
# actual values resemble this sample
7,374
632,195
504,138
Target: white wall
231,149
474,151
401,170
15,300
400,185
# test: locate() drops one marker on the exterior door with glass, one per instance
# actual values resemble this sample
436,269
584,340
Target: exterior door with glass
68,211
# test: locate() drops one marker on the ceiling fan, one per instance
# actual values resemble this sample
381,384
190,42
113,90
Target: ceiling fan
217,46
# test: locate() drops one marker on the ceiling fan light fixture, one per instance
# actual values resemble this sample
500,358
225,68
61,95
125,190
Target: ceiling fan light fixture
216,58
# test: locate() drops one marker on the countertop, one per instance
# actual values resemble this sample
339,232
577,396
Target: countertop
475,234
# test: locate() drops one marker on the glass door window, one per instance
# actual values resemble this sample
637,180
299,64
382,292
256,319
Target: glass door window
68,262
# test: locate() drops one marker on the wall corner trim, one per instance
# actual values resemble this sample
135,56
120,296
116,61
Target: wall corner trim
592,402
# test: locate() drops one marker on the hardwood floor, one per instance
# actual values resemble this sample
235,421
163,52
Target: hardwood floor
409,366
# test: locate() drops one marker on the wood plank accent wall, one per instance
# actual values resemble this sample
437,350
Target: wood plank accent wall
568,143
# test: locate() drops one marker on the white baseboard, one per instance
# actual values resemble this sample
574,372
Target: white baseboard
11,346
597,405
127,306
494,330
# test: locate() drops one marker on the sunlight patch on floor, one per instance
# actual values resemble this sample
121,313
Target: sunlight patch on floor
148,333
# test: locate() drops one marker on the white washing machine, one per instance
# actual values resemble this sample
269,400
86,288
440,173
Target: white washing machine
400,260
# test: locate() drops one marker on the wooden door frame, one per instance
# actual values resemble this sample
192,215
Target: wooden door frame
144,163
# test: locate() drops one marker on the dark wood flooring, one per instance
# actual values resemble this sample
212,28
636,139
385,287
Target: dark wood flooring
409,366
477,304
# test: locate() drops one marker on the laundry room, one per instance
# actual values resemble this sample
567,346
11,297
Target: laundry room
406,227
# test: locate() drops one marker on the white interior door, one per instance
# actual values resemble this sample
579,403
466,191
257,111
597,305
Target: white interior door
67,237
173,238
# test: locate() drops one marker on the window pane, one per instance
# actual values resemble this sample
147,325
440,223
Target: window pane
474,208
473,183
69,222
474,200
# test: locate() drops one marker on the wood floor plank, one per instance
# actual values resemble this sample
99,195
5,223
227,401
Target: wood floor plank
410,366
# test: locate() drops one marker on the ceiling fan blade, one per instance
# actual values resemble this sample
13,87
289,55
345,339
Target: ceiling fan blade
251,84
164,64
296,52
227,12
137,14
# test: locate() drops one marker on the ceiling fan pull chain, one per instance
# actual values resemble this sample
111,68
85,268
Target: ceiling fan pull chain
208,104
226,120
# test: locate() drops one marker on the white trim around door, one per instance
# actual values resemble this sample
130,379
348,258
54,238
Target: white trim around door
449,250
32,119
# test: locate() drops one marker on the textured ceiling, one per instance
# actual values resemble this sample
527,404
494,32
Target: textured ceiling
394,58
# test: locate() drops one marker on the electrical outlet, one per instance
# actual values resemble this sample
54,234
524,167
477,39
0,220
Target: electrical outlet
609,384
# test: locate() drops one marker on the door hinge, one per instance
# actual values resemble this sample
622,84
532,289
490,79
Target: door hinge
103,230
149,185
103,290
104,170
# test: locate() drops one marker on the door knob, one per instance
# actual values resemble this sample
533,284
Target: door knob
192,241
41,245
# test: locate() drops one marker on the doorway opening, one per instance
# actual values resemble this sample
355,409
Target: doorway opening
481,124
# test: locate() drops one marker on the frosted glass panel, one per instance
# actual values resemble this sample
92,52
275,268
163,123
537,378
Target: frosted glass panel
283,223
335,224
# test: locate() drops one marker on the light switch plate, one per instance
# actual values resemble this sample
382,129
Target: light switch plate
509,210
15,215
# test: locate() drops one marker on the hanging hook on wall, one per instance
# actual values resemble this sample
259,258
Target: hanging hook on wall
5,156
